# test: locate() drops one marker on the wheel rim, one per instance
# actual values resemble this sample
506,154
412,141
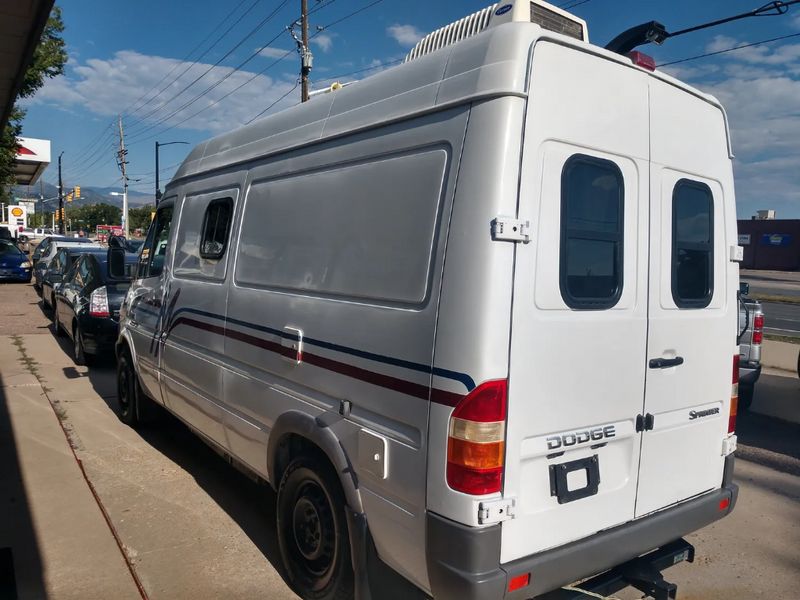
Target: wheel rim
314,531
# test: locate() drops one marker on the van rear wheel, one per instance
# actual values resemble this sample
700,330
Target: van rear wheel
312,532
127,391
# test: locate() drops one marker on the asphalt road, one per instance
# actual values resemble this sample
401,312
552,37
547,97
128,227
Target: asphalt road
193,527
781,318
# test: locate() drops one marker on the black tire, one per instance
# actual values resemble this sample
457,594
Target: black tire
745,397
128,391
79,355
57,330
312,531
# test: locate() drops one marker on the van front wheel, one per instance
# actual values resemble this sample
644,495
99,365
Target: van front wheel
127,391
312,532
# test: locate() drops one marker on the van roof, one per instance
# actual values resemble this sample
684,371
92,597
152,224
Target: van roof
490,64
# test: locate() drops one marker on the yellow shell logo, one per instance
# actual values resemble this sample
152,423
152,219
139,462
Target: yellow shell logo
16,212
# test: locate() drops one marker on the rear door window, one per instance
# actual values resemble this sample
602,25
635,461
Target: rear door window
692,244
592,211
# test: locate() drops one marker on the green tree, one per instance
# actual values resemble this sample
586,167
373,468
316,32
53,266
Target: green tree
90,216
48,61
139,218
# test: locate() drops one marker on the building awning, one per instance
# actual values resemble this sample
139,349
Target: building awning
32,159
21,26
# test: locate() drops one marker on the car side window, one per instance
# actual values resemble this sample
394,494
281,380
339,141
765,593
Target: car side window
692,244
592,218
151,263
84,272
216,227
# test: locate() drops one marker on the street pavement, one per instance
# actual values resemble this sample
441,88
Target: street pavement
184,524
781,283
782,318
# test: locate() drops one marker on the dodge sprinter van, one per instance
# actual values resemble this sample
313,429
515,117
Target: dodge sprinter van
474,318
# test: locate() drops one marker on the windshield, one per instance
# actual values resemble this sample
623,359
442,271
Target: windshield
8,249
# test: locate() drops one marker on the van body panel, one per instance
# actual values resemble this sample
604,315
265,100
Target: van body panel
566,381
475,307
280,284
682,454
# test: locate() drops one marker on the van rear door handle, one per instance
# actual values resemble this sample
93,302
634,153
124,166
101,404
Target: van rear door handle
665,363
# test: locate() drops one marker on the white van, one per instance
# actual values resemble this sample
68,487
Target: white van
474,317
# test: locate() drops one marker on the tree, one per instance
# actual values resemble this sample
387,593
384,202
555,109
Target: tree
90,216
48,61
139,218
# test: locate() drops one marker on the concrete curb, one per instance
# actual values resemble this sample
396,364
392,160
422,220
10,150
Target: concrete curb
780,355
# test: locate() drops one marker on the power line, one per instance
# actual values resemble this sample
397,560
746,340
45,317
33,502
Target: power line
261,24
136,137
274,103
572,4
707,54
186,58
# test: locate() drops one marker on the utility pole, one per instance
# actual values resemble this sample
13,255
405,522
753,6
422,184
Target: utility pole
121,162
60,197
306,57
305,53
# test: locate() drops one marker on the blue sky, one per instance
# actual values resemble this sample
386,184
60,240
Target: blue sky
122,54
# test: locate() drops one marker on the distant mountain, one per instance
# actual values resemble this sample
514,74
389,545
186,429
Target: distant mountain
89,195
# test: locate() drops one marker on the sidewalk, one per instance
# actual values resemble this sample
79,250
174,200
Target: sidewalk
60,544
777,393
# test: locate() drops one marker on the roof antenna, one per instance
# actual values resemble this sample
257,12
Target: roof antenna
656,33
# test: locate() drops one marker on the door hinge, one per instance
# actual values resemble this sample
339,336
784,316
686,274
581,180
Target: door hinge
509,229
645,422
495,511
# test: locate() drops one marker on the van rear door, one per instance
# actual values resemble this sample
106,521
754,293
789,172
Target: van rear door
579,321
693,310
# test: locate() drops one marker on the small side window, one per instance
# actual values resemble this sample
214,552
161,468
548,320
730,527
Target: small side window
216,227
692,244
154,253
592,211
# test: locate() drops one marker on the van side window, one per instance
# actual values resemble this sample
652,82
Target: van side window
216,226
151,262
692,244
592,211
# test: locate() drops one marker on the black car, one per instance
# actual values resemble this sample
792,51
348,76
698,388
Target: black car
88,302
56,270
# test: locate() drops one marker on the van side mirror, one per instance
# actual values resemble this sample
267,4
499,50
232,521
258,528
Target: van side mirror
116,263
744,288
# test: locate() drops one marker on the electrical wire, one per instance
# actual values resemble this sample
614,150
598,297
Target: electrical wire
572,4
136,137
261,24
707,54
186,58
273,104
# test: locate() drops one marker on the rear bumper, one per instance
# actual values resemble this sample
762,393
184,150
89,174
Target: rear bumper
99,334
749,373
464,562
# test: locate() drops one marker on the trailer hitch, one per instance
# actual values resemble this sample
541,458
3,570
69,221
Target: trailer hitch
649,580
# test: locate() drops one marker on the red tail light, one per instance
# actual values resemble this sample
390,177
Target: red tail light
98,303
758,329
734,395
642,60
476,442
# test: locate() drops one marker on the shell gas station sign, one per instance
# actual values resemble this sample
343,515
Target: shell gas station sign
16,217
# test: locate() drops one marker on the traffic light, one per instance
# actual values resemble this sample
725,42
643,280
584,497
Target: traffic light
69,197
77,191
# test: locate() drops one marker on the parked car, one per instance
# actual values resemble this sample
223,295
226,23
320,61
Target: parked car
14,264
57,269
87,304
5,233
38,233
47,249
472,317
751,336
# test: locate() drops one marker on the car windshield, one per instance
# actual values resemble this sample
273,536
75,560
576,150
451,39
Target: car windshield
9,249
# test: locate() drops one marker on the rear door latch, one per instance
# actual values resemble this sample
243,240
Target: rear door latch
495,511
510,229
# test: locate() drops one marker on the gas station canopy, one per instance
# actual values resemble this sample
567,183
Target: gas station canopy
32,159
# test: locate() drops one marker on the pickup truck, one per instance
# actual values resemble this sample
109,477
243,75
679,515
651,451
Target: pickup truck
751,335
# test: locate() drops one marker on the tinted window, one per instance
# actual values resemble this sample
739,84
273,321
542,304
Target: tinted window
592,209
216,225
692,244
155,250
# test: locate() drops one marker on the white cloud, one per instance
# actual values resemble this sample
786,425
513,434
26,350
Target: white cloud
763,54
324,41
405,35
269,52
107,87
